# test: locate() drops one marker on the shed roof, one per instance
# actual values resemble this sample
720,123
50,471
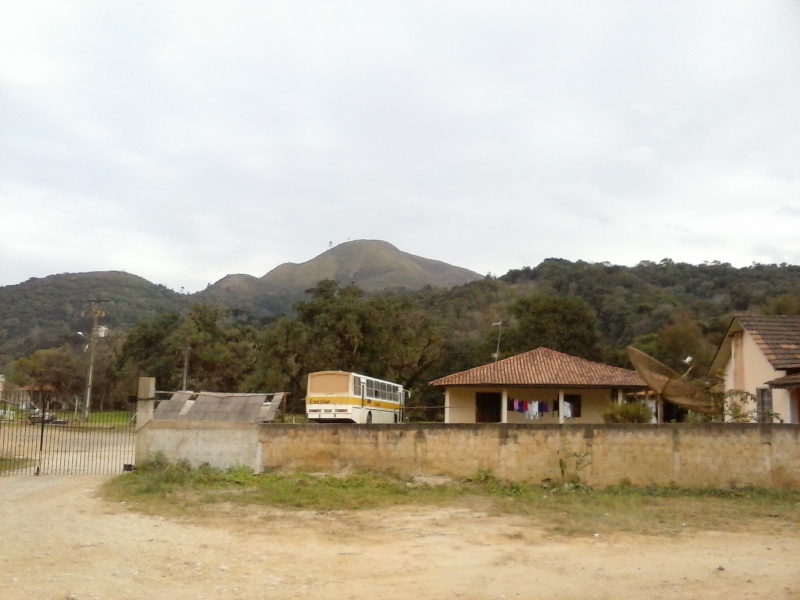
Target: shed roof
787,381
215,406
545,368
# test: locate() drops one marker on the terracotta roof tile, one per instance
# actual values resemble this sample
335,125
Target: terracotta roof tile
545,368
778,337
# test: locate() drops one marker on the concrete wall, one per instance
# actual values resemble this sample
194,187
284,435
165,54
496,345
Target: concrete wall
220,444
686,455
707,455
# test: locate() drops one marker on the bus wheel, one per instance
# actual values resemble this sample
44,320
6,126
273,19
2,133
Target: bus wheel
369,418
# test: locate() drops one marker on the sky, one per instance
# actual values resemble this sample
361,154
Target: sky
182,141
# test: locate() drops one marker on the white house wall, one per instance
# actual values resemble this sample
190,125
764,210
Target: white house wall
745,351
460,403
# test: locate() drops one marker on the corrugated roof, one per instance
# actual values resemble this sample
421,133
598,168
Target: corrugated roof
777,336
212,406
545,368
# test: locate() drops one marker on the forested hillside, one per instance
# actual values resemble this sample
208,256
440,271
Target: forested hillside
669,310
45,312
48,312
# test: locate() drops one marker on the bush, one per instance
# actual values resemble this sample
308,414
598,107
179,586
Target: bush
630,412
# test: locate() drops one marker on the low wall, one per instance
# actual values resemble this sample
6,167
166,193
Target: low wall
221,445
686,455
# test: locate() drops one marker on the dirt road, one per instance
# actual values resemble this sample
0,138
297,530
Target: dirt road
59,541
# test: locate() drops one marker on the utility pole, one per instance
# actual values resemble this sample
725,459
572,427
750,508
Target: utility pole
186,366
96,314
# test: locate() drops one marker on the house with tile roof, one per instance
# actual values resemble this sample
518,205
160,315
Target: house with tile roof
539,386
761,355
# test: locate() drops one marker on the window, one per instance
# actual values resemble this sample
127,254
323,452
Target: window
764,405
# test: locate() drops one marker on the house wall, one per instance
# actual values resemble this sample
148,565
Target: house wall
460,403
702,455
748,369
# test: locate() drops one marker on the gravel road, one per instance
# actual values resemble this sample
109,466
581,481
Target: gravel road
60,541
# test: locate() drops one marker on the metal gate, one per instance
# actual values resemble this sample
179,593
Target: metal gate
40,435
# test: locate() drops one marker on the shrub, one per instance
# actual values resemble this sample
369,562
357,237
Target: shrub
630,412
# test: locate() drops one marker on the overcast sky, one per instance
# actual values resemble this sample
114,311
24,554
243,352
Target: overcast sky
183,141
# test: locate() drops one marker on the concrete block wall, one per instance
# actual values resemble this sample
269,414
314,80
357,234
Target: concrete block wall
221,445
686,455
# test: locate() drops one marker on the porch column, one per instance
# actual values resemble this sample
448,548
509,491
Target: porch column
447,405
504,406
620,396
561,407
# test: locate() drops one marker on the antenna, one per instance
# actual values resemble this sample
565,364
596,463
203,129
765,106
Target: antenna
673,387
499,331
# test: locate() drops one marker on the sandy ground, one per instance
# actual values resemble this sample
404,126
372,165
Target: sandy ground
59,541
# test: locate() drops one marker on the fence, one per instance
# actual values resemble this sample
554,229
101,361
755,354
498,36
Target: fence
43,434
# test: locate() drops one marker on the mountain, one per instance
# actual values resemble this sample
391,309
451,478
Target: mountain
372,265
46,312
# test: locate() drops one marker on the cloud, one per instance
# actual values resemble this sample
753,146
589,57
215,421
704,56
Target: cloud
192,141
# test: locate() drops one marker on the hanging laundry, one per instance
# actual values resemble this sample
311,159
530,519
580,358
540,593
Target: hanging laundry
533,410
567,409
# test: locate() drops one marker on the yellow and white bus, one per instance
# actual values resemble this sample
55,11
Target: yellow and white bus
340,397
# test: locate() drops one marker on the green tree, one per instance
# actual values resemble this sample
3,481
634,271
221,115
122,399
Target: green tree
221,354
678,340
785,304
59,370
152,348
280,361
559,323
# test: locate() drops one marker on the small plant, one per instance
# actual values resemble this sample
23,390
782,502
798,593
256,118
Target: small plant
570,465
740,406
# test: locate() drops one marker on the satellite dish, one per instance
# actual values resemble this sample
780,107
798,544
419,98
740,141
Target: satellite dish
672,386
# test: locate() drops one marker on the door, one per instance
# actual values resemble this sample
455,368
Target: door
487,407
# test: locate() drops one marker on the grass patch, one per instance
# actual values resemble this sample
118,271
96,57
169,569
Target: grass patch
177,489
12,464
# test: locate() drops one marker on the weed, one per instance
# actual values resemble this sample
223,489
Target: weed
563,507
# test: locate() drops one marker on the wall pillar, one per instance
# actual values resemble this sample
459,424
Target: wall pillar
145,405
504,406
561,407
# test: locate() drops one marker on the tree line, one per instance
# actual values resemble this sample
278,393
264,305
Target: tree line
588,310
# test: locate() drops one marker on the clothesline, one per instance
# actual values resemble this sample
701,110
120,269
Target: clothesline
535,409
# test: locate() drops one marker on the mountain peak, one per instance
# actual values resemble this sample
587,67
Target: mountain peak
372,265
